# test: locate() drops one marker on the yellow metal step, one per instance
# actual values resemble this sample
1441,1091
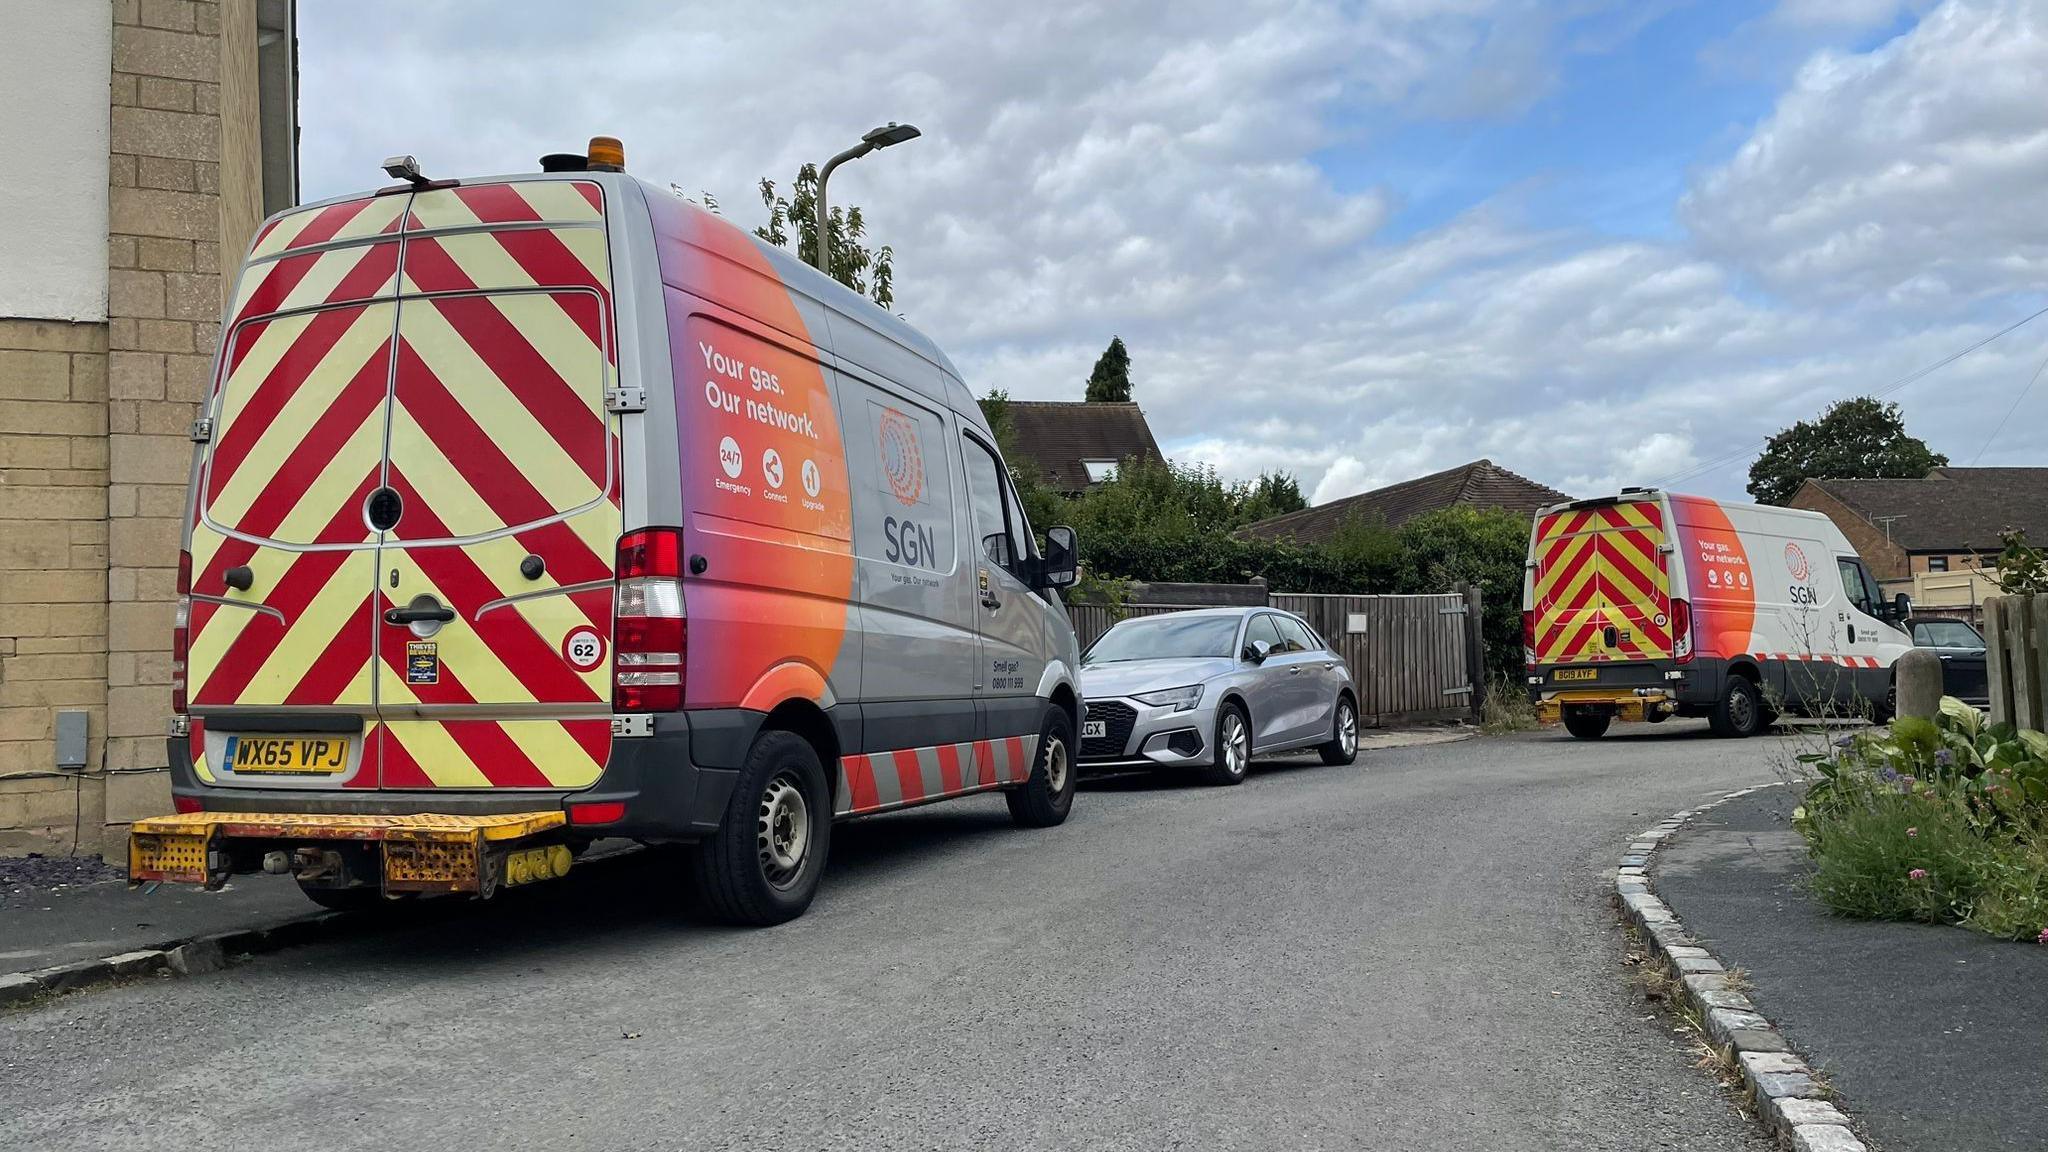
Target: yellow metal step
430,851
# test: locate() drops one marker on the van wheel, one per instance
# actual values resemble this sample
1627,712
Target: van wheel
763,864
1233,747
1343,745
1586,723
1740,712
1046,797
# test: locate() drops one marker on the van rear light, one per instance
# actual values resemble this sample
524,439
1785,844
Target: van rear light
648,622
186,805
1529,640
1681,630
604,812
181,632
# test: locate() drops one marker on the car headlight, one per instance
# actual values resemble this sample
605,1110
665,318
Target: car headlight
1179,699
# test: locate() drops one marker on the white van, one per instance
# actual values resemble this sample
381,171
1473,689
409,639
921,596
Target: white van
1650,604
535,509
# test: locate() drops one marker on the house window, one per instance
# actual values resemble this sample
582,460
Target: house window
1937,563
1099,470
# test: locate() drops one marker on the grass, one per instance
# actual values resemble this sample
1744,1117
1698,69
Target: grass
1883,855
1507,707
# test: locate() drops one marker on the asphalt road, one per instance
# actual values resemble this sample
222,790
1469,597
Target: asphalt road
1416,953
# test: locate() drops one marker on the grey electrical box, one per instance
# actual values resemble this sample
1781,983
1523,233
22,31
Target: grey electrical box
71,731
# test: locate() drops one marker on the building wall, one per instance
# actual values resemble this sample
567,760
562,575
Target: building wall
53,204
1887,561
95,418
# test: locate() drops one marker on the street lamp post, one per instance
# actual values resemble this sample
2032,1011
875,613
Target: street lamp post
890,133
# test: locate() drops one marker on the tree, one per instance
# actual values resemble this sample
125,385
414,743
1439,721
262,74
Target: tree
868,271
1274,494
1858,439
1110,381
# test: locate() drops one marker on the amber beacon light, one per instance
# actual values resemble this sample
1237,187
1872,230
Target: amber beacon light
607,154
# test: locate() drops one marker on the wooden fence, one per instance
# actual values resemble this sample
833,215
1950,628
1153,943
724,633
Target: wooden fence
2016,659
1411,657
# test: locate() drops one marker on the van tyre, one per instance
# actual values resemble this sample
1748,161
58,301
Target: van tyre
763,864
1343,745
1586,724
1233,744
1740,711
1047,795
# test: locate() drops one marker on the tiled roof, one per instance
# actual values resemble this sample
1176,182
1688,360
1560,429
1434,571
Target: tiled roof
1058,437
1952,509
1481,484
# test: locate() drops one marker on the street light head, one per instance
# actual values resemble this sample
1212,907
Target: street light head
891,133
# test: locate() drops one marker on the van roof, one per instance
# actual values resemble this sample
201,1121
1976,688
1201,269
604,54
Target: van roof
795,274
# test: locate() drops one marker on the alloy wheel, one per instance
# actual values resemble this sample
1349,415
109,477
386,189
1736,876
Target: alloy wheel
1347,729
1236,745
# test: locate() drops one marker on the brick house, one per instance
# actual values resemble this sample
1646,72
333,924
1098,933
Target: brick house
1480,484
149,138
1935,538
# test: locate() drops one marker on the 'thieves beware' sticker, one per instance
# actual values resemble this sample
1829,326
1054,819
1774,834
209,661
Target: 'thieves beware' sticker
422,662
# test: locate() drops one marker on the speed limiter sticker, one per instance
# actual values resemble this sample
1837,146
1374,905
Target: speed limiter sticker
583,648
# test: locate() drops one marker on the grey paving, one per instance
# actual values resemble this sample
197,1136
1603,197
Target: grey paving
44,928
1933,1038
1415,953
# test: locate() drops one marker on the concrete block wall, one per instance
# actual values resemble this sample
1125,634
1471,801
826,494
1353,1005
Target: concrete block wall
94,432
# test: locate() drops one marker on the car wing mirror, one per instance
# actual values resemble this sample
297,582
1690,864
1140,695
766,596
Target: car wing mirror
1257,651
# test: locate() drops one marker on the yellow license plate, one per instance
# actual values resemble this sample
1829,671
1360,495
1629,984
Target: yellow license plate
286,755
1576,674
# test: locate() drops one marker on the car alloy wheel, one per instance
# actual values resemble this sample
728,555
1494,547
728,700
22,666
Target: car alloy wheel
1347,728
1236,745
784,835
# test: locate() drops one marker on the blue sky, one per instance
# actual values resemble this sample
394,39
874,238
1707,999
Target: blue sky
1600,242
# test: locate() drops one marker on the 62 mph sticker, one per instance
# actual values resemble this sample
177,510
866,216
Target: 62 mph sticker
583,648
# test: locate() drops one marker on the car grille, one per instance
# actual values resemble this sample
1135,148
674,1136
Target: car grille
1118,718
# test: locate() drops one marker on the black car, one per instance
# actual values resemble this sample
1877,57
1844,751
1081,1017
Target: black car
1961,649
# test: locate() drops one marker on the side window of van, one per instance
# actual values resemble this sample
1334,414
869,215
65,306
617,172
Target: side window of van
1856,581
989,502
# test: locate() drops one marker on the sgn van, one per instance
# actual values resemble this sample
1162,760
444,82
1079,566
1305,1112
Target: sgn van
537,509
1649,604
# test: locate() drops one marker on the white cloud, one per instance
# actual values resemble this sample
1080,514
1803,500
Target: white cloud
1089,171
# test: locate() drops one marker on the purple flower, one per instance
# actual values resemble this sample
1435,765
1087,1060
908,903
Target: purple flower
1944,757
2043,937
1917,874
1844,741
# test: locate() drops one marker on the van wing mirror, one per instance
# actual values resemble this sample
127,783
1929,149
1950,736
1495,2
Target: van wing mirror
1902,607
1061,566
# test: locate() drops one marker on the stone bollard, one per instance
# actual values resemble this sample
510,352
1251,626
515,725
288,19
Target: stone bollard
1917,677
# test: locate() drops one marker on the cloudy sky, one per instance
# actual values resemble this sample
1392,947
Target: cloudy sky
1602,242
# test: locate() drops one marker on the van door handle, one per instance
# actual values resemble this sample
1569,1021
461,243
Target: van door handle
1852,633
412,615
989,601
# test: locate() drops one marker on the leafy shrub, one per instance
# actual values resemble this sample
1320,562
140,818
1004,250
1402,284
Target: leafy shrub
1942,821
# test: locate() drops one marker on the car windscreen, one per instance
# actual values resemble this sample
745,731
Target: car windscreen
1946,634
1165,637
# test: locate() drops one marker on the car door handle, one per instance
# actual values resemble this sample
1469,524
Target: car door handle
414,615
1294,671
989,601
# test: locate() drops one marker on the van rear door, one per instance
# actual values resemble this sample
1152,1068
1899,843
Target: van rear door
494,586
1602,588
281,561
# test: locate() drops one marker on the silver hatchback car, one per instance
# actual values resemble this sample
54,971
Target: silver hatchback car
1208,689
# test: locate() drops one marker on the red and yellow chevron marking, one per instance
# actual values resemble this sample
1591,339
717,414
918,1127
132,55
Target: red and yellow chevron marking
879,781
332,224
486,415
1597,568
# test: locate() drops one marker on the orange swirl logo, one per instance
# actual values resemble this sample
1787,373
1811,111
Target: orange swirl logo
902,458
1795,563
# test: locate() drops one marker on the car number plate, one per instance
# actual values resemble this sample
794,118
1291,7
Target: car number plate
1576,674
1091,729
286,755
